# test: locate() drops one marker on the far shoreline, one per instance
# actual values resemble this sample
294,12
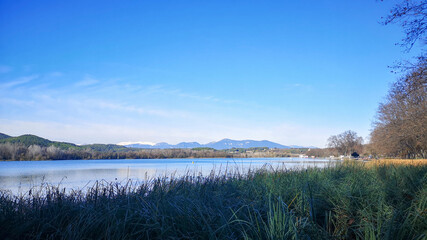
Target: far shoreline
381,161
88,159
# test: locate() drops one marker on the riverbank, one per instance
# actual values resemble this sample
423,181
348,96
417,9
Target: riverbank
347,201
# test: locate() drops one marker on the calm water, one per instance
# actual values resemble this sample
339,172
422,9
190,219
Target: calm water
19,177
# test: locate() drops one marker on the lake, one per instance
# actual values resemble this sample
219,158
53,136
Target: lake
20,176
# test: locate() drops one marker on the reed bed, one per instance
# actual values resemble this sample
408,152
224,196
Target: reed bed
344,201
414,162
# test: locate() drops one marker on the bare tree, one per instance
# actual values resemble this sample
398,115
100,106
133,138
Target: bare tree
400,128
412,16
346,142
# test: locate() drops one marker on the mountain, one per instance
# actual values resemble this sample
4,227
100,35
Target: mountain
220,145
162,145
3,136
138,145
188,145
228,143
28,140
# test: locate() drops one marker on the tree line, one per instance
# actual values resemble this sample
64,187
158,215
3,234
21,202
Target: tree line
21,152
400,126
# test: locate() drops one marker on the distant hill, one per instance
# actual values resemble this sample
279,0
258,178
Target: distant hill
189,145
220,145
28,140
3,136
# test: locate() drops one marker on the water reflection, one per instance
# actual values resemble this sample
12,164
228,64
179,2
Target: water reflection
20,177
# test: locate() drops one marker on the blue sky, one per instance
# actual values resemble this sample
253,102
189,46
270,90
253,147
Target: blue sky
293,72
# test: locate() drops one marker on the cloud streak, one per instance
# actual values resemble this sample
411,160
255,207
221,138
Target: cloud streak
87,81
161,89
299,86
56,74
19,81
5,69
114,106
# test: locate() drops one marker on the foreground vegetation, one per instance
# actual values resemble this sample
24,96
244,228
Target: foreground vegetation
413,162
347,201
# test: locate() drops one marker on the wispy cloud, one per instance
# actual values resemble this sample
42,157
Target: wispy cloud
161,89
299,86
19,81
87,81
136,109
17,102
55,74
5,69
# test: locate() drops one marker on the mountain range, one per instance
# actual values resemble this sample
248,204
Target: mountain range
28,140
219,145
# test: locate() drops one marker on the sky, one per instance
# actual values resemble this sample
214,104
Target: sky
292,72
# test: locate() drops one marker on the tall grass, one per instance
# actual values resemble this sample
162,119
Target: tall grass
346,201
